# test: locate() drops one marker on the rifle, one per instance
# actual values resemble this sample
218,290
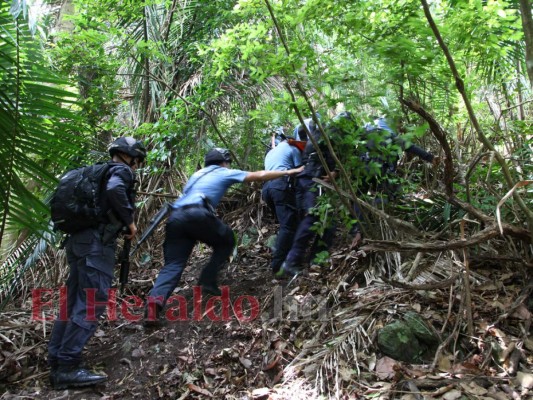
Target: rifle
299,144
154,222
125,264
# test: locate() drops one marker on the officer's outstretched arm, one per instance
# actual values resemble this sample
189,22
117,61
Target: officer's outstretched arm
261,176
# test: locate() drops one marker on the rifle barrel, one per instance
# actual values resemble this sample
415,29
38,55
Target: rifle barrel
154,222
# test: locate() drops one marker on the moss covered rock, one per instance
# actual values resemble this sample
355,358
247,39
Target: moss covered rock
410,340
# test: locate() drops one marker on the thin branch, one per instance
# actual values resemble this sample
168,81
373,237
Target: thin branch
480,237
302,91
398,223
486,142
440,135
516,105
202,109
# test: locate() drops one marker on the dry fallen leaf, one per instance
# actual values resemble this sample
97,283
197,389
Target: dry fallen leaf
260,393
525,380
385,367
245,362
198,389
473,388
452,395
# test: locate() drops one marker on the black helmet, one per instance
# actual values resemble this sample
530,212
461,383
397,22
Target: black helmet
216,156
129,146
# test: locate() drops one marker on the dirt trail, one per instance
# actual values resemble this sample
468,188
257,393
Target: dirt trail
209,352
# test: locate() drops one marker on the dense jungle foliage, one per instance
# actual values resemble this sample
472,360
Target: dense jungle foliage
454,77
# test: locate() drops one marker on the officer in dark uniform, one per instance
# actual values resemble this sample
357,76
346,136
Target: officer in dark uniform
92,260
193,219
308,190
379,154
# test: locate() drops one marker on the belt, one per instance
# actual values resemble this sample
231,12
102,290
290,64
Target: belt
284,178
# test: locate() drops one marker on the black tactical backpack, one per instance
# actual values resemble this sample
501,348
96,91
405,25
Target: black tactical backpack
77,201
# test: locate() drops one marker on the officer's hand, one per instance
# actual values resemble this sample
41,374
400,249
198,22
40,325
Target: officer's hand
133,231
333,176
295,171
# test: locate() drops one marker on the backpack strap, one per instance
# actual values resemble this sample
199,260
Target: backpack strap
200,177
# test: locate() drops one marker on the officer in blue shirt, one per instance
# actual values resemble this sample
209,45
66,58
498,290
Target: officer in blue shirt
193,219
279,194
309,191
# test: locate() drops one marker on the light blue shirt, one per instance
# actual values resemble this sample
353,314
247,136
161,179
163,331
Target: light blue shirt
210,182
283,157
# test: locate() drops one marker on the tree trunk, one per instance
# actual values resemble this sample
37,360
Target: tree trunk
146,78
527,24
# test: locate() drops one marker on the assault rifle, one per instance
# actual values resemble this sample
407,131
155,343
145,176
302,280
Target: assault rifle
126,249
112,229
299,144
124,264
154,222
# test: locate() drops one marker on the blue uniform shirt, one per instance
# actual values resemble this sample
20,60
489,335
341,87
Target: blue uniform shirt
283,157
210,182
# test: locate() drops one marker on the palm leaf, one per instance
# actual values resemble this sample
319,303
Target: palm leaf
39,135
36,127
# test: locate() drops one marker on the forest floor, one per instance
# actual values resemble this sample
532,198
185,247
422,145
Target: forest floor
246,346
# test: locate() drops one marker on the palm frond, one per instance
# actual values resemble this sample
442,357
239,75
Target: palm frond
37,127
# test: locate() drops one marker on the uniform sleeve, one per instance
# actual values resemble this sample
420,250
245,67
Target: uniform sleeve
423,154
296,157
414,149
235,175
120,183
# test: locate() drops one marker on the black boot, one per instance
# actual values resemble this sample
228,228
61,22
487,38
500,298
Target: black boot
153,321
288,270
210,288
52,376
68,376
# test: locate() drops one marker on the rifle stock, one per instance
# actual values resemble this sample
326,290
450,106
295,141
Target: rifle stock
154,222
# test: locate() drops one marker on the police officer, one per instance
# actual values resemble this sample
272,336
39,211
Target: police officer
382,146
309,191
300,131
379,155
91,258
193,219
279,194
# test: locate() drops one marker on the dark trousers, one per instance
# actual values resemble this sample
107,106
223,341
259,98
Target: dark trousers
308,191
91,267
280,197
184,228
